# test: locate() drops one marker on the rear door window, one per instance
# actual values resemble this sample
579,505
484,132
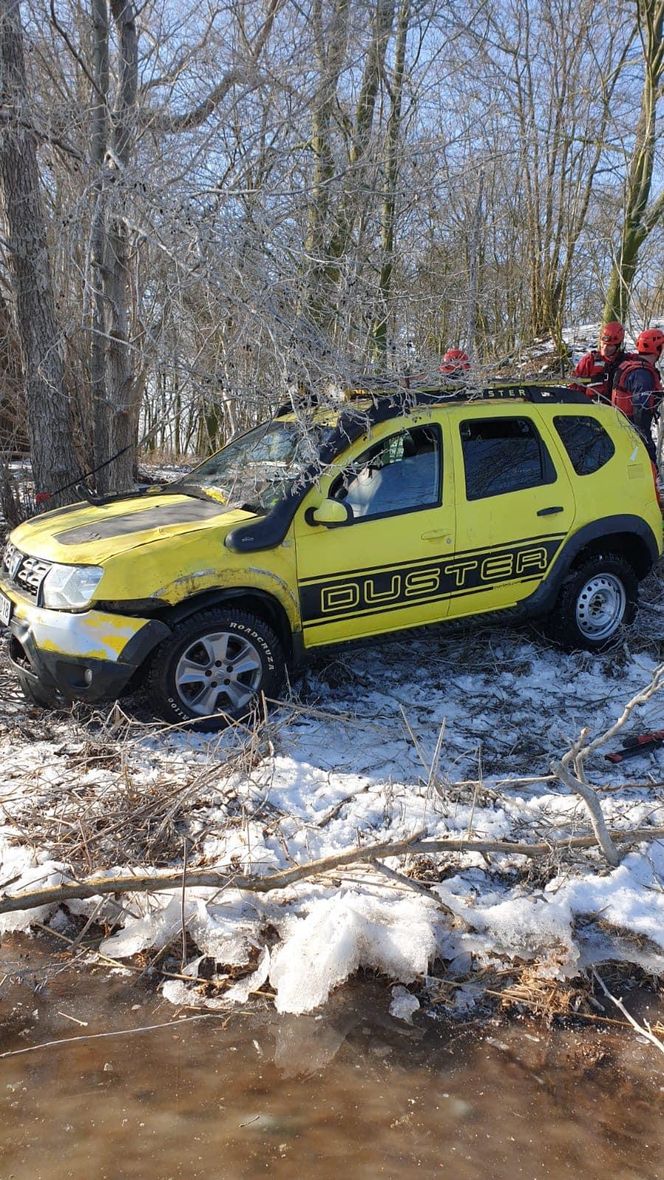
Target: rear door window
586,441
502,455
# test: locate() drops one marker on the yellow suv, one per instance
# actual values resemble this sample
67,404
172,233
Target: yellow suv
389,512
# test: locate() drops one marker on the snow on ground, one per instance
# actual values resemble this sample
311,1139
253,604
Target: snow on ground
434,734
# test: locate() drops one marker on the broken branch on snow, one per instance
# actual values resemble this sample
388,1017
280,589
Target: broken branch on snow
223,879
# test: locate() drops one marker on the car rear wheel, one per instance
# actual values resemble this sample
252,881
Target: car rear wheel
214,667
596,599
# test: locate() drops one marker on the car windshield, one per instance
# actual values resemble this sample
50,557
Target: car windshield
261,467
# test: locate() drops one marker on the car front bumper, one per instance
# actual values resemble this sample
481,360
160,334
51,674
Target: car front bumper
89,655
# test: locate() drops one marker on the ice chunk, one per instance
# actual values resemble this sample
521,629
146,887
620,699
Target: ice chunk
154,929
18,867
404,1003
345,932
239,993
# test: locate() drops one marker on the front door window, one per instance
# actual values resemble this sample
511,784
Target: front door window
398,474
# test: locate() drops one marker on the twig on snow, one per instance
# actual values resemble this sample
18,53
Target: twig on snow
644,1029
417,887
581,750
597,820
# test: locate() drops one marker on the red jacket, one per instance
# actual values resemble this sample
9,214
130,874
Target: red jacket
593,364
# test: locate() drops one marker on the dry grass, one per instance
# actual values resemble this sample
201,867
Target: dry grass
95,806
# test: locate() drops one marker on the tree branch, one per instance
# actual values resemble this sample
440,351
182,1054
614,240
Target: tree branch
597,820
223,879
171,124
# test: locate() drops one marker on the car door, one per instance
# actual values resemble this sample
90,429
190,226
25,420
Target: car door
515,505
381,571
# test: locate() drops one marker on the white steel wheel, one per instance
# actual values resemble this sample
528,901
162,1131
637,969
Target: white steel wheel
600,607
595,600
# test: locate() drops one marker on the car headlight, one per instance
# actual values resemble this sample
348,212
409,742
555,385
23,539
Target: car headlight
70,587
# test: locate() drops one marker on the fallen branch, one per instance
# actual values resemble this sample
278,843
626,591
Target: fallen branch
582,749
223,879
644,1029
597,820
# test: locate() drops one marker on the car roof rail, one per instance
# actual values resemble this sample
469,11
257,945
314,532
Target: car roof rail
392,402
536,392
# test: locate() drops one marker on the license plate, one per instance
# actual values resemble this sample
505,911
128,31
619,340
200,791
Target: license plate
5,610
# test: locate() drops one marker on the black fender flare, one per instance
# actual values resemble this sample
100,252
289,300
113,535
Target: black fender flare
544,597
274,612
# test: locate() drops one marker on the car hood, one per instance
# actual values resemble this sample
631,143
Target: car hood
89,534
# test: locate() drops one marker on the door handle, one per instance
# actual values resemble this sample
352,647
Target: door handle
436,535
550,511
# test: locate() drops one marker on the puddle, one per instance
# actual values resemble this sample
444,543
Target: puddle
351,1092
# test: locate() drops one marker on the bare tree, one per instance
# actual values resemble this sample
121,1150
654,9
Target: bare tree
640,214
49,414
390,183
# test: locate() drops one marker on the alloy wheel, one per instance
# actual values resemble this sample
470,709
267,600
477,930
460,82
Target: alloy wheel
218,672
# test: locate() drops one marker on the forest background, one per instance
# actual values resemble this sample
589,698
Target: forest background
206,207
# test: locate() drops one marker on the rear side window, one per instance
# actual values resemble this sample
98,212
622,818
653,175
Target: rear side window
503,455
586,441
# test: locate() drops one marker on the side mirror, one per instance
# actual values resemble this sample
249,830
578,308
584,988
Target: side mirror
331,514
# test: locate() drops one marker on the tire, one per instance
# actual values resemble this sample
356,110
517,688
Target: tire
35,694
597,597
194,676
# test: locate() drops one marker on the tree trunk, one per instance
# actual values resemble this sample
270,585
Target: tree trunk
389,209
98,244
474,250
116,384
54,460
640,220
330,58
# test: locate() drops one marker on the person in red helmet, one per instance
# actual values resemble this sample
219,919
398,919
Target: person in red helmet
637,388
601,363
455,363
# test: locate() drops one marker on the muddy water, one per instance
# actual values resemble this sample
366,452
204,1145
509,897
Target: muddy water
349,1093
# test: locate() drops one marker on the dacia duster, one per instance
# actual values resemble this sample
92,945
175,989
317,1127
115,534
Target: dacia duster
390,512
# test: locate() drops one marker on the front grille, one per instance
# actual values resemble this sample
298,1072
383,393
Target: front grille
27,573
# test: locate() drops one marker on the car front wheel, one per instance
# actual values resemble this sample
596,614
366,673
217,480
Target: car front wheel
596,599
214,667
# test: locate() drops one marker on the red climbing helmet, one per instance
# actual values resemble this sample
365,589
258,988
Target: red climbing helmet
612,333
455,361
650,341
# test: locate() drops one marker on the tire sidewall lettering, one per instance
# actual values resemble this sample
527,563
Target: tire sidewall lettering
266,647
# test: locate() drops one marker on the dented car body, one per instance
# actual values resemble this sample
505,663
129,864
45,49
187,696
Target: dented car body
389,513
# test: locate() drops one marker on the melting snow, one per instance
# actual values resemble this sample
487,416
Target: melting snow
351,765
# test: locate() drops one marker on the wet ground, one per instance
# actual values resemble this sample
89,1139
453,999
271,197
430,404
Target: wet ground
350,1092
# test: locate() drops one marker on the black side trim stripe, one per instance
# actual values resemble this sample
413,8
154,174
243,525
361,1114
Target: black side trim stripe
393,588
309,626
